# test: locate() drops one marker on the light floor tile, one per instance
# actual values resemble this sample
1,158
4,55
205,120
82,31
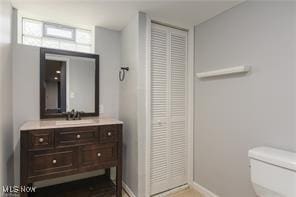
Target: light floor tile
186,193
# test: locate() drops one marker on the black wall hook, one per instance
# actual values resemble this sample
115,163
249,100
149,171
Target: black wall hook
122,72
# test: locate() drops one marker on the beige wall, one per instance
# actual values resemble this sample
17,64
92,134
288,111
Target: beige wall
6,132
236,113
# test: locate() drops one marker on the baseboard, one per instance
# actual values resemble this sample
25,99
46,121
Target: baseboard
204,191
128,190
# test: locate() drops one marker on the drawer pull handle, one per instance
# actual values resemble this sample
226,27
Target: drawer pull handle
109,133
54,161
41,140
99,154
78,136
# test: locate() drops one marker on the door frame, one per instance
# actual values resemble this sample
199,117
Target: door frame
189,104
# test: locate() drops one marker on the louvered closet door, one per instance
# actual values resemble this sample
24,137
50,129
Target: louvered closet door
159,110
178,134
168,108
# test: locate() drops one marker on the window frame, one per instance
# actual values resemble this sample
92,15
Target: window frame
89,48
45,25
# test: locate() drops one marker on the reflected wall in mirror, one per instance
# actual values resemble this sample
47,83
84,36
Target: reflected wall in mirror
68,80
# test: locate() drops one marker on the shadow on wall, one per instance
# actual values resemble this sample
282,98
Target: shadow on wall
10,169
7,158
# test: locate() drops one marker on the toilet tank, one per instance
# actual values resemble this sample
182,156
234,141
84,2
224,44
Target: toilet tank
273,172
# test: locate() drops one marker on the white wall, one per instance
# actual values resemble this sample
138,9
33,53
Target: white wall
141,103
6,134
25,93
108,47
128,103
132,103
26,82
236,113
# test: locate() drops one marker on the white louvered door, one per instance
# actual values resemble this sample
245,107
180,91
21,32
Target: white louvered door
168,108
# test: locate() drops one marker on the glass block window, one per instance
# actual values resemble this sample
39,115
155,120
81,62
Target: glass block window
58,31
49,35
32,28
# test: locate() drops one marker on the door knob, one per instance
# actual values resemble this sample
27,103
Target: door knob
41,140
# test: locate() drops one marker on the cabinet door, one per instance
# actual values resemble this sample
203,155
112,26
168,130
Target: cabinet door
168,108
98,156
52,163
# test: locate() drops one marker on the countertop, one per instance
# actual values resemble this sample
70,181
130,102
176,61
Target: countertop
62,123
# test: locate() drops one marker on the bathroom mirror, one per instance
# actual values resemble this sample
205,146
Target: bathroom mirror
68,80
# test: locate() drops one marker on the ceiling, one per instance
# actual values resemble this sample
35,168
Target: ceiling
116,14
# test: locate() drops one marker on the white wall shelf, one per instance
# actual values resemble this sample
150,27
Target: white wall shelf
225,71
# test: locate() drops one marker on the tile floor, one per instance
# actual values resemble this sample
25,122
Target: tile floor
184,193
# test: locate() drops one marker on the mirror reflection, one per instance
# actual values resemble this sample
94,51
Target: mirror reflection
69,84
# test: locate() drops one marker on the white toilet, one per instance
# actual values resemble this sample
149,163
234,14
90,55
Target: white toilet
273,172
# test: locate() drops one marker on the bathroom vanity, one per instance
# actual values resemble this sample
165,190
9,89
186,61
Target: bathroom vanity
57,148
61,144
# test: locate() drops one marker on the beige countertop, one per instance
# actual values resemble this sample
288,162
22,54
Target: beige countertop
62,123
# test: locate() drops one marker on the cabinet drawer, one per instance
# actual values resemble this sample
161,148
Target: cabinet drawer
41,139
46,163
99,154
108,133
76,136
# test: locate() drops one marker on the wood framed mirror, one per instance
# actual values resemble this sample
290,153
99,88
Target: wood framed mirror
68,80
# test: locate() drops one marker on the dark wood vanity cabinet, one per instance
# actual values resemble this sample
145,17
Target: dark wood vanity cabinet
58,152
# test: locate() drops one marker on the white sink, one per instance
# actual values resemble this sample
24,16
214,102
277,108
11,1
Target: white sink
74,122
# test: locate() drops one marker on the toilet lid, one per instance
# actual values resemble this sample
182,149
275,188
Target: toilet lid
281,158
